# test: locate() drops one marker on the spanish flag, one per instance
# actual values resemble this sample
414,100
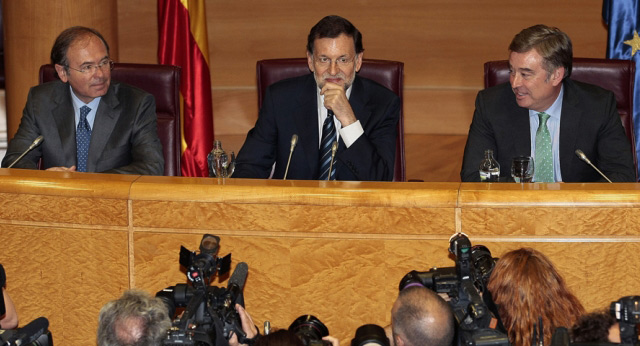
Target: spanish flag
182,41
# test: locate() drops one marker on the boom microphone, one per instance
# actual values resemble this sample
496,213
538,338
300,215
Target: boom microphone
35,143
294,141
237,280
584,158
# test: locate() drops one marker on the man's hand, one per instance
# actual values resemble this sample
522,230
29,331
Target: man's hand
335,99
62,169
248,326
332,340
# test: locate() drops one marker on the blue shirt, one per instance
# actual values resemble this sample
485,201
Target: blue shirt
77,104
555,112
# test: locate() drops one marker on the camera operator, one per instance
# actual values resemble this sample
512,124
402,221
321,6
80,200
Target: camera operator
421,317
278,338
9,319
136,318
526,286
598,326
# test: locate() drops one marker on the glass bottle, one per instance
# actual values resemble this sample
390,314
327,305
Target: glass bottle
489,168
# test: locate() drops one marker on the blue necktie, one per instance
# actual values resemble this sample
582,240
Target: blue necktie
83,137
543,172
328,137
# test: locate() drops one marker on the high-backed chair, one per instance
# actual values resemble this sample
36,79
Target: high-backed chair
387,73
161,81
614,75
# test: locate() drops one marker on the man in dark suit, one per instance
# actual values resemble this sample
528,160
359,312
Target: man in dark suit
544,114
88,123
362,116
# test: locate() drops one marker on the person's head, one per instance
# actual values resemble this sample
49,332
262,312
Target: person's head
280,337
598,326
540,57
81,58
525,285
334,51
421,317
136,318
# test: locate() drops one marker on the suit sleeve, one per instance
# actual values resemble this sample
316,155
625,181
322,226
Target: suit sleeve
615,158
27,132
258,153
146,149
372,156
481,137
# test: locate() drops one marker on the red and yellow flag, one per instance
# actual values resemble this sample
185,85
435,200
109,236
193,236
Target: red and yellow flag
182,41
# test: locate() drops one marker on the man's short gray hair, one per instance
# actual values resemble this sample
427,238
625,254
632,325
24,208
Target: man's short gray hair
135,319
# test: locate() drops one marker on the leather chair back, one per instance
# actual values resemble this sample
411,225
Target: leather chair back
615,75
161,81
385,72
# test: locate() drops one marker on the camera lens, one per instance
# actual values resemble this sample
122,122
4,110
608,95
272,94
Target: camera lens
309,329
370,334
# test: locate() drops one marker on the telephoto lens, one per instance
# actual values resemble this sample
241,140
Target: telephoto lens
370,335
310,330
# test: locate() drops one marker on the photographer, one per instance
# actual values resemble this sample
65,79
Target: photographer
526,286
136,318
283,337
598,326
421,317
10,318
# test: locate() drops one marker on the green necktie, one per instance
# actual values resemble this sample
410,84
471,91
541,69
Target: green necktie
544,155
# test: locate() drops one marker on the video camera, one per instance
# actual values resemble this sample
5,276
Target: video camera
35,333
310,330
209,317
464,284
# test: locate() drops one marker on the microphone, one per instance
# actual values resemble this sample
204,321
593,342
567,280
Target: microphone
27,334
294,141
584,158
236,282
35,143
334,148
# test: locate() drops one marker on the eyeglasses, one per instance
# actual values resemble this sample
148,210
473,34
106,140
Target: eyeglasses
91,69
342,61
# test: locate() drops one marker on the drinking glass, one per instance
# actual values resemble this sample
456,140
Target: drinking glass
522,169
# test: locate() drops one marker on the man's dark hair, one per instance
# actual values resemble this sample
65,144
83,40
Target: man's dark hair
66,39
593,327
421,317
280,337
552,44
332,27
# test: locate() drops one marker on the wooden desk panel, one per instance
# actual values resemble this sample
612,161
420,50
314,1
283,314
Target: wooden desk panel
85,238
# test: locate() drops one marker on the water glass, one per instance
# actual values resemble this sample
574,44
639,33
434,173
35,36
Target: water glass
522,169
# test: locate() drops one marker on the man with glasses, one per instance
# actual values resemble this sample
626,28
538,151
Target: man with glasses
88,123
330,105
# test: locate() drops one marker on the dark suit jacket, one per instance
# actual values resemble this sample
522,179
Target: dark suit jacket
290,107
589,122
124,137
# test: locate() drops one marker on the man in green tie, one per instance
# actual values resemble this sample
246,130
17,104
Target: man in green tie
544,114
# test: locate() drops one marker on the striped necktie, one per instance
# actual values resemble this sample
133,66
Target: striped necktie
544,155
328,137
83,138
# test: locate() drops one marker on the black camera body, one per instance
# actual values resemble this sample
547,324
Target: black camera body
209,317
464,284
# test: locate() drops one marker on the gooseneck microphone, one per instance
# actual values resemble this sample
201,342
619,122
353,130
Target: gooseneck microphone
35,143
294,141
334,148
584,158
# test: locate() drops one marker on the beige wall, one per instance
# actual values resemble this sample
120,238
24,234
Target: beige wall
442,43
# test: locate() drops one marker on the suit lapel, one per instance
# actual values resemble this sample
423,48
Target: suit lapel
569,127
64,117
106,118
521,131
306,120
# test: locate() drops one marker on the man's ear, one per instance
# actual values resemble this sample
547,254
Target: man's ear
557,76
397,340
62,72
310,61
359,61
